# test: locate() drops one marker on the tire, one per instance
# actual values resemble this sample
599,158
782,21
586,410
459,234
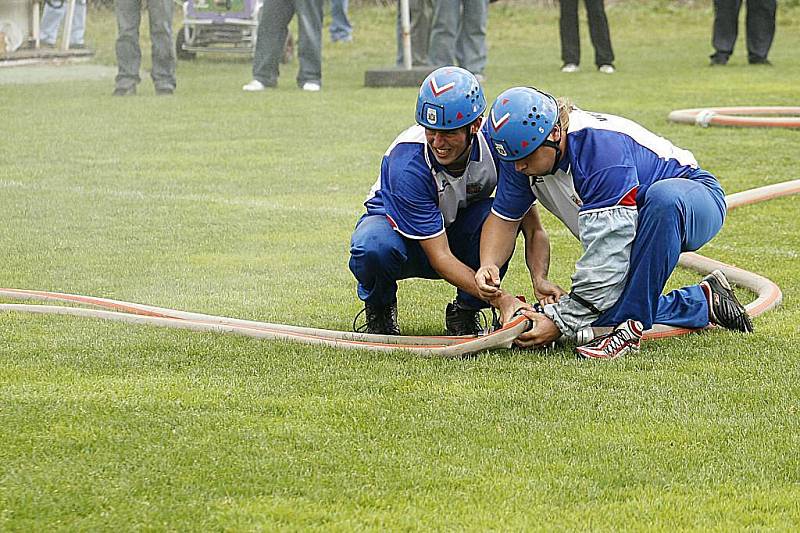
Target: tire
180,39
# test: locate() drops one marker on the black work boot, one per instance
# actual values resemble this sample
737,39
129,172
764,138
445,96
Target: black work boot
459,320
381,319
723,307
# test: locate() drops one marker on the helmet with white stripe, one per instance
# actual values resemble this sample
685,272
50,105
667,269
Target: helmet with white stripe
449,98
520,121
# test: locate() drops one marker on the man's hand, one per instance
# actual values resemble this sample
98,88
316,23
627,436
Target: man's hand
508,306
488,281
543,332
547,292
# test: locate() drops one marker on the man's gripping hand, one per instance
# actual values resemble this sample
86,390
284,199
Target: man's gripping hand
488,280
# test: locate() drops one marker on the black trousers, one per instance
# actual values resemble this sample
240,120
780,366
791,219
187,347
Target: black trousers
759,23
598,31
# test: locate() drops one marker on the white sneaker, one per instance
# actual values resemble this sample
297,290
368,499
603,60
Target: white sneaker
254,86
607,69
570,67
311,87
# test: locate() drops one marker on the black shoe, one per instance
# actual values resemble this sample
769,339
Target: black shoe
124,91
381,320
165,91
718,61
459,320
724,309
763,62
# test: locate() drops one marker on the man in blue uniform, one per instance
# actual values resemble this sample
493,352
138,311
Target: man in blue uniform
426,210
633,199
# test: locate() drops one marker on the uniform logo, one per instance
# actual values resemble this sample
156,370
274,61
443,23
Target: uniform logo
431,115
501,149
438,91
497,124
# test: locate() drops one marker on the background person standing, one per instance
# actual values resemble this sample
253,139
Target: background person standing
598,31
54,14
458,35
759,24
129,55
273,26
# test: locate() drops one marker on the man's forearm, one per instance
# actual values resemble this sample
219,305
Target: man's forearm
497,240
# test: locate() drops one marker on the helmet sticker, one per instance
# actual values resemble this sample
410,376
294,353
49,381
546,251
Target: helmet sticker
431,115
501,149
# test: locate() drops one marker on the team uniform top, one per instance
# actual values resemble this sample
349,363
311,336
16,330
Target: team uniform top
418,196
610,164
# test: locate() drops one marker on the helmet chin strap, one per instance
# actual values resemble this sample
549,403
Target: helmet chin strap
555,145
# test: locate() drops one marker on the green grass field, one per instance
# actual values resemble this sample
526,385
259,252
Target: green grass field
242,204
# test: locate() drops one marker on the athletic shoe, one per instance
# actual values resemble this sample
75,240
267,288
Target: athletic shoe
624,339
165,91
254,86
570,67
607,69
312,86
459,320
124,91
381,320
723,307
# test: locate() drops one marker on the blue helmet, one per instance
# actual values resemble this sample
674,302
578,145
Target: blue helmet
520,121
449,98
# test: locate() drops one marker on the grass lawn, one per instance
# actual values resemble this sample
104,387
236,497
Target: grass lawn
223,202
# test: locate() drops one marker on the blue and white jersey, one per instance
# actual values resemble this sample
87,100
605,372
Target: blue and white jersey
611,161
418,196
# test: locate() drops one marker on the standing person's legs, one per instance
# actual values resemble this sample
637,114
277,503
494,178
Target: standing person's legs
309,51
726,28
471,43
445,25
677,215
163,47
78,23
51,20
420,12
340,28
129,55
273,25
760,26
570,36
598,31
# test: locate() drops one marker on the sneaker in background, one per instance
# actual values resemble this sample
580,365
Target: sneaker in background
570,67
607,69
254,86
312,86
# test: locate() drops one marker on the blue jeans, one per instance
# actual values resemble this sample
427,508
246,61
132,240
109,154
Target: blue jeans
273,26
380,256
458,34
51,20
675,215
340,27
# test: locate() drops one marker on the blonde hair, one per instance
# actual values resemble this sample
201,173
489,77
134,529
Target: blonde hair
565,105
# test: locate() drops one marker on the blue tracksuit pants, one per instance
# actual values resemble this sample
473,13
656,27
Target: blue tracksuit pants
380,256
675,215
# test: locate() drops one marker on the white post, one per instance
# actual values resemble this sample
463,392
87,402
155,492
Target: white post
35,22
405,25
68,26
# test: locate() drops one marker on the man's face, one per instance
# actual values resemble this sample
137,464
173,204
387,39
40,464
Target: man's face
448,145
539,162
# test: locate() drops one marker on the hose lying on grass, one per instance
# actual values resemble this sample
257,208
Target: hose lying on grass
769,296
753,117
